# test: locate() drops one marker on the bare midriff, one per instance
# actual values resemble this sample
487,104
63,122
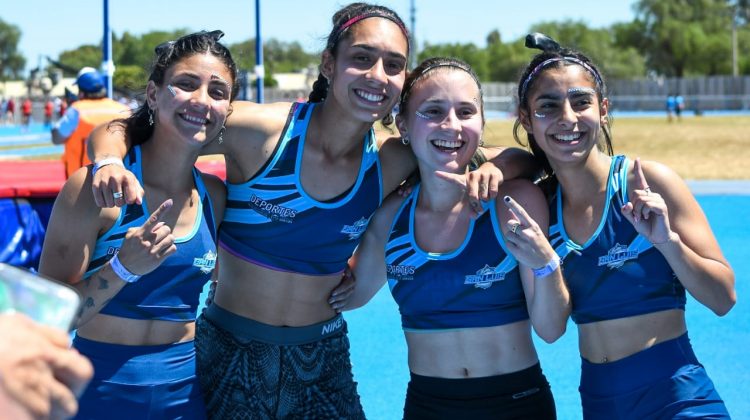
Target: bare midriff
472,352
615,339
273,297
136,332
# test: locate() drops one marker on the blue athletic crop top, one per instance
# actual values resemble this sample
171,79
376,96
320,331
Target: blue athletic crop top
172,291
617,273
476,285
270,220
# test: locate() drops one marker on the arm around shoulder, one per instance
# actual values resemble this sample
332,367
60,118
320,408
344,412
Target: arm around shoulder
368,262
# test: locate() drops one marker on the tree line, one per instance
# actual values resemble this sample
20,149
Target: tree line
671,38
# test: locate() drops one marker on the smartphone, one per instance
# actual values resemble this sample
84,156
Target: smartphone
44,300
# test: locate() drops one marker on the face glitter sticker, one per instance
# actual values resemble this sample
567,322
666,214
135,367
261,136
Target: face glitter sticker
215,76
171,90
581,90
421,115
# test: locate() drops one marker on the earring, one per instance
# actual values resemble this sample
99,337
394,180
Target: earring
221,134
150,116
481,142
405,139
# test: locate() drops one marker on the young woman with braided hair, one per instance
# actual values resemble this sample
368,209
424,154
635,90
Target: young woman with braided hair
303,180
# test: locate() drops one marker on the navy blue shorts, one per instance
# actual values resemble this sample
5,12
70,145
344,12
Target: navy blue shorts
252,370
141,382
518,395
662,382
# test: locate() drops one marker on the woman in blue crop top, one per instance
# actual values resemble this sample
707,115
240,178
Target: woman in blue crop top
633,239
141,268
467,306
303,181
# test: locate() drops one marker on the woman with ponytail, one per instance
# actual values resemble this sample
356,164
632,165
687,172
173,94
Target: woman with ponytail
633,240
303,180
141,268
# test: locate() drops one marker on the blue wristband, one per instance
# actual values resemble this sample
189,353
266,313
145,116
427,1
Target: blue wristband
548,269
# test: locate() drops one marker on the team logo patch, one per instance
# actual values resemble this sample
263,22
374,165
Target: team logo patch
206,263
484,278
356,229
617,256
401,272
274,212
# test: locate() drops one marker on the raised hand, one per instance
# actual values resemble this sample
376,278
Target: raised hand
343,290
647,210
525,239
480,185
145,247
113,185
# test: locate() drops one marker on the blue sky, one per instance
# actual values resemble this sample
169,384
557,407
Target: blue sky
50,27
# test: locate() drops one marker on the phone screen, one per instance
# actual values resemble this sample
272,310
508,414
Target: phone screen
41,299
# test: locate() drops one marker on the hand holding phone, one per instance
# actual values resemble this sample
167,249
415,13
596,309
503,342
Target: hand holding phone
46,301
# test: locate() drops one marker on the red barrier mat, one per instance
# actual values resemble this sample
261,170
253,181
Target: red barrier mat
44,178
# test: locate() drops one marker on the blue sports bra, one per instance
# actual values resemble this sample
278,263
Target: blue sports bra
476,285
617,273
172,291
270,220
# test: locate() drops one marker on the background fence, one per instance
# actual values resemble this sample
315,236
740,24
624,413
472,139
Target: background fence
700,93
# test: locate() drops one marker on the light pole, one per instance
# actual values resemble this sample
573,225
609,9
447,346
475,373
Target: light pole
259,71
108,66
413,35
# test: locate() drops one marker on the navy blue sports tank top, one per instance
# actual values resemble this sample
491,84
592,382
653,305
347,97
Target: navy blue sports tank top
270,220
171,292
617,273
476,285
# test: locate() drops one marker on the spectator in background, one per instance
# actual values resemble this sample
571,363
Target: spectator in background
10,110
48,109
670,106
679,105
91,109
26,113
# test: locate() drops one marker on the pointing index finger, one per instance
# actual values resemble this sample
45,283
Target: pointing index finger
157,214
519,211
640,178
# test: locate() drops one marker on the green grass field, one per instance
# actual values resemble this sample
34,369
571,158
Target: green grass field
696,147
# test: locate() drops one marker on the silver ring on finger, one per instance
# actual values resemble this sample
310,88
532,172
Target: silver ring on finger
514,229
117,195
648,190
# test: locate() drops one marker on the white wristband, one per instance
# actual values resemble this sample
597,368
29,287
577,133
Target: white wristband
548,269
121,271
104,162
